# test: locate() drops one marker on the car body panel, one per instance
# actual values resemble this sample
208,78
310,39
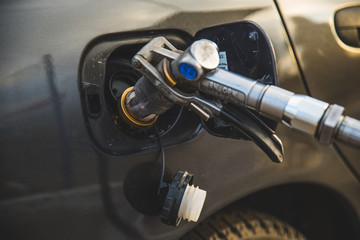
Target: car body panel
50,170
330,67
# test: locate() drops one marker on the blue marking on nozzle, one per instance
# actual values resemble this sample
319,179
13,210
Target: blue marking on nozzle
188,71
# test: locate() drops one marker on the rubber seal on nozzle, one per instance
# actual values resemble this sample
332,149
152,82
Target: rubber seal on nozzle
123,111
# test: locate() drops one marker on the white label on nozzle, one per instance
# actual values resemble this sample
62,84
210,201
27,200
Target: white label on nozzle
223,60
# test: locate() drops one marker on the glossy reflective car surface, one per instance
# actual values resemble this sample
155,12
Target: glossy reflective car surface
55,184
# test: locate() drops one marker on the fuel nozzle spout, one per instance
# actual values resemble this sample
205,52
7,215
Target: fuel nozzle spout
140,105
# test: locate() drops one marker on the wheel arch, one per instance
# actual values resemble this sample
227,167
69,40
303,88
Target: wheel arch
312,208
316,210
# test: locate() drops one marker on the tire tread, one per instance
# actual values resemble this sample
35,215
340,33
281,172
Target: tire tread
242,225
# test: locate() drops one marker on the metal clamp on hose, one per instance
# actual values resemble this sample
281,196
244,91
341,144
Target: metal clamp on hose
349,131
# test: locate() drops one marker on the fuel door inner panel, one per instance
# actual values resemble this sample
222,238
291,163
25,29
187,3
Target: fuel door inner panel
105,72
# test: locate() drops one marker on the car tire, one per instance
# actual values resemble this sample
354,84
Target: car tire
243,224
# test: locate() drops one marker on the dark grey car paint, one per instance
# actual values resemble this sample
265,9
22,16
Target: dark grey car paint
49,177
330,67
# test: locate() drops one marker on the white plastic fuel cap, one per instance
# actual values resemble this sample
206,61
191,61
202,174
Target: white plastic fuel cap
192,203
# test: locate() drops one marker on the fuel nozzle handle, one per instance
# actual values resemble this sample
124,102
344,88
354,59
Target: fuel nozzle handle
319,119
178,78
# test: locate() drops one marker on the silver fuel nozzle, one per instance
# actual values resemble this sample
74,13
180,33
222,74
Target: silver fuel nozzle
195,62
